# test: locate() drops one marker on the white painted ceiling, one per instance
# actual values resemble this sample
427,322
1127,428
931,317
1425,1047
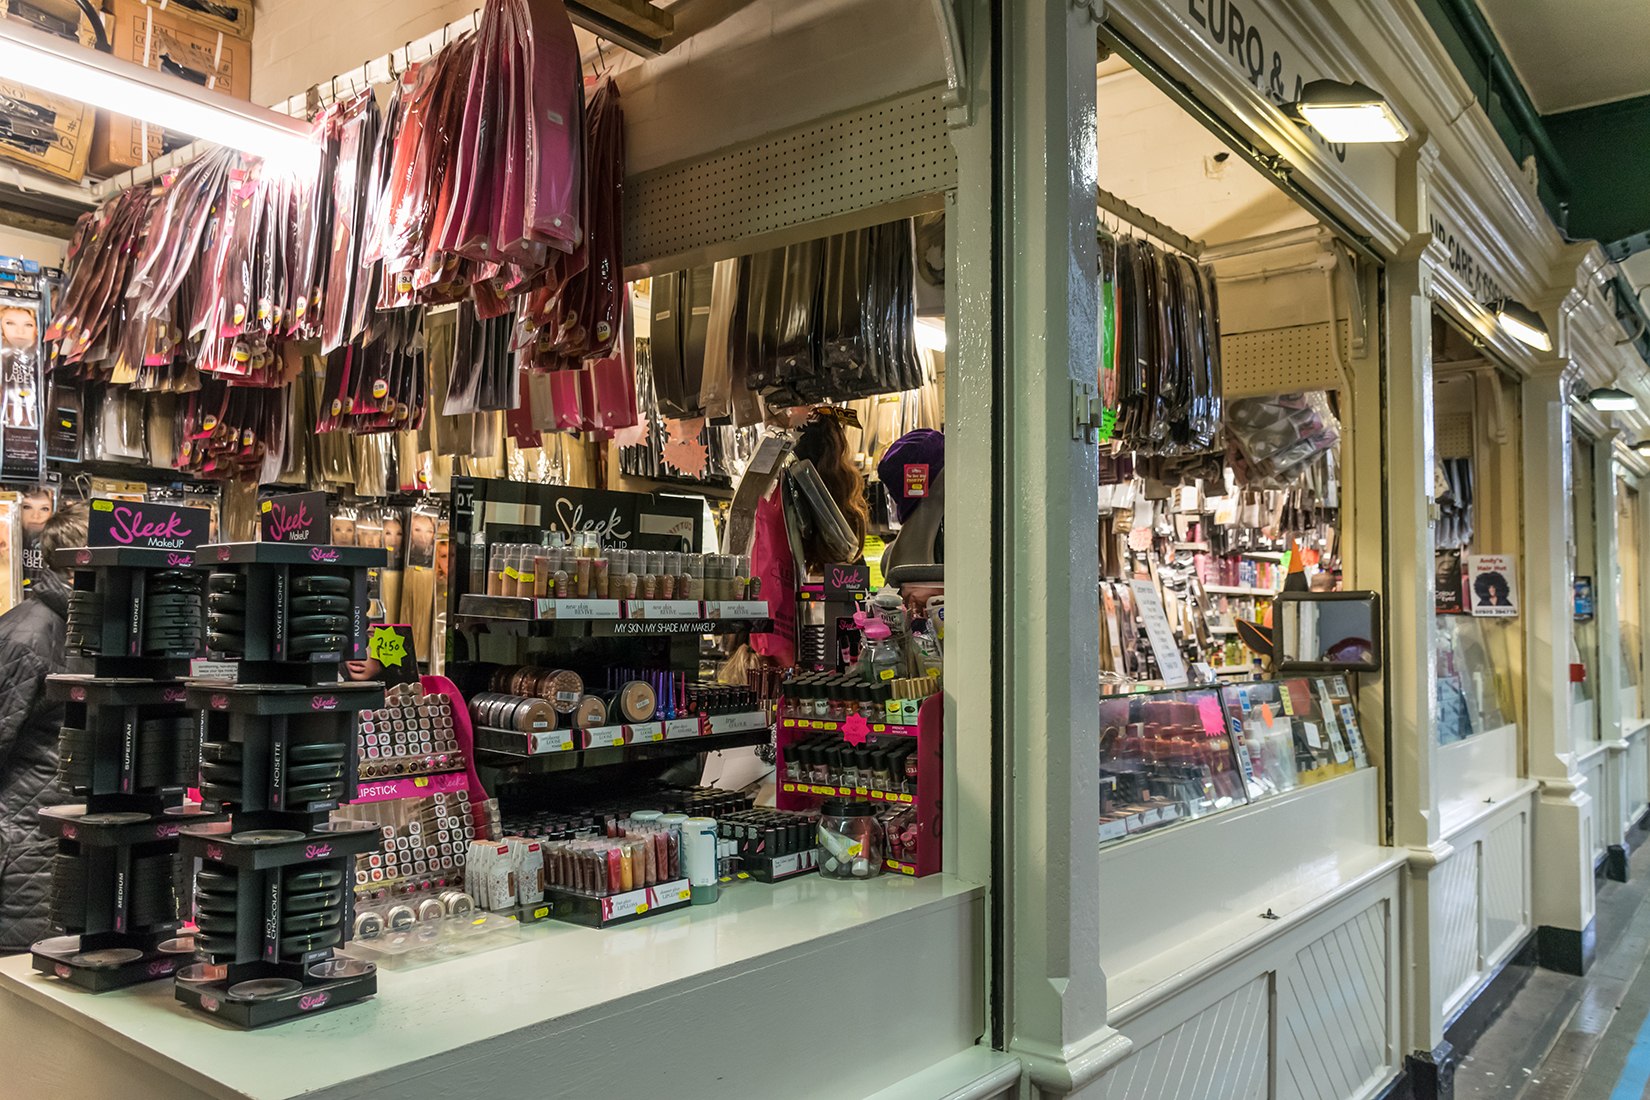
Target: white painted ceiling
1575,53
1157,157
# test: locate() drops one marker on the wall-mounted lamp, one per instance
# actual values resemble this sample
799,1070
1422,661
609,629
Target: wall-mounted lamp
1523,324
1643,447
1610,399
1352,113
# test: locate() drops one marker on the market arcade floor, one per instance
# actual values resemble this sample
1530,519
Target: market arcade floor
1567,1038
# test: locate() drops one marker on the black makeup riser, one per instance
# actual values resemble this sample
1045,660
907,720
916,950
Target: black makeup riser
272,885
128,747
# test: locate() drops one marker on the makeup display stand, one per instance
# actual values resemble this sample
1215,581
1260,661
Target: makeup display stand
272,886
918,847
823,617
123,600
129,747
283,638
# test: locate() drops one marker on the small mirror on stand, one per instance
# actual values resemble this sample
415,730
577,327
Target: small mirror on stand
1326,632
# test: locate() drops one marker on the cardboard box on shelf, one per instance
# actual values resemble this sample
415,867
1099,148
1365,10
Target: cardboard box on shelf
230,16
60,17
43,131
170,40
118,144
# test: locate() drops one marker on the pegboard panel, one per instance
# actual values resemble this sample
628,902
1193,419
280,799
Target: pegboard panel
882,155
1453,436
1282,360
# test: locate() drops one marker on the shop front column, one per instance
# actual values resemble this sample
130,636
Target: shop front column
1047,493
1610,804
1562,887
1410,674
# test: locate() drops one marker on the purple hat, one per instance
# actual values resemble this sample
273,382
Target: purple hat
923,447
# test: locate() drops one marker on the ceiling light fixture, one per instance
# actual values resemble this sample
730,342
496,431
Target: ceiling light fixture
1643,447
44,61
1351,113
1610,399
1523,324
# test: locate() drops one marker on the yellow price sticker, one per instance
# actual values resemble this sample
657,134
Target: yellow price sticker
542,911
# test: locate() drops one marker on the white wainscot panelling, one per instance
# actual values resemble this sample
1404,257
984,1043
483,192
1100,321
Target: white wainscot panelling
1479,910
1308,1014
1505,867
1592,767
1220,1053
1638,772
1453,885
1334,1041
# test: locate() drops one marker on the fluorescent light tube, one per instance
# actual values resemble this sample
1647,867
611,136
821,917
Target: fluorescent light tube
64,68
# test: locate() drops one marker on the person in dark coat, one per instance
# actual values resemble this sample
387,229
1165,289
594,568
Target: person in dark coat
31,648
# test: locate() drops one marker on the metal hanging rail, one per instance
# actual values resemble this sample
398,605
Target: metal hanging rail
143,173
630,24
1146,223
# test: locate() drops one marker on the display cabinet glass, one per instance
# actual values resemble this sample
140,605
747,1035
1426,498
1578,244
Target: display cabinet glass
1295,732
1472,677
1165,756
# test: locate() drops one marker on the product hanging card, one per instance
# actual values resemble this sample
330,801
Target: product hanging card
146,525
1492,585
296,517
1158,634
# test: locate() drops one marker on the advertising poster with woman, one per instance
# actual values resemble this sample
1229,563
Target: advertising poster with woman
21,386
1492,585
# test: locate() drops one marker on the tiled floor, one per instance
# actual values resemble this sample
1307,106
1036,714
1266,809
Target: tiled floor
1569,1038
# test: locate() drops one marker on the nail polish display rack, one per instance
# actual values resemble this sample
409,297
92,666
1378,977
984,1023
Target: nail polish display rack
272,885
128,748
917,850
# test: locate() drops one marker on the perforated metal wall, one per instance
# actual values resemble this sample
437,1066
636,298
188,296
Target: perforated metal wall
1281,360
882,156
1453,438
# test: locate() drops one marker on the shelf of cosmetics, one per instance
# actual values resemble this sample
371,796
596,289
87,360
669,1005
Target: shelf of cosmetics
270,907
532,711
601,867
271,889
823,763
1178,755
837,696
585,570
411,902
287,603
412,734
423,842
887,770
